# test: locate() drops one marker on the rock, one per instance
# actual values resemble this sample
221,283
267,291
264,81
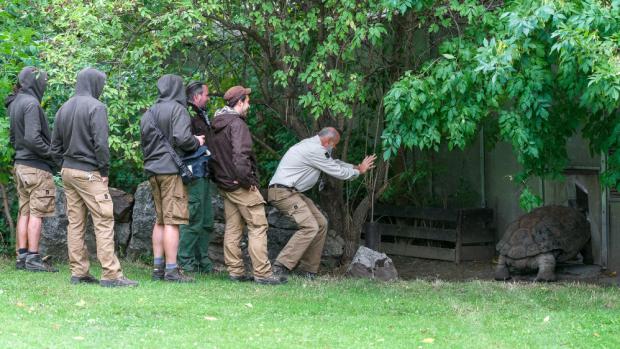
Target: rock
371,264
123,203
143,220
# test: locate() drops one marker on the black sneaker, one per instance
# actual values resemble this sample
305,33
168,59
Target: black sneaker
272,280
176,275
158,272
86,279
280,271
20,262
240,278
35,263
120,282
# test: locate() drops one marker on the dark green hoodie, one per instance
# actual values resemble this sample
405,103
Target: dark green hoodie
80,138
171,116
29,130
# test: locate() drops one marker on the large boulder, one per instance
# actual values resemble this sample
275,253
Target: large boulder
281,228
371,264
54,232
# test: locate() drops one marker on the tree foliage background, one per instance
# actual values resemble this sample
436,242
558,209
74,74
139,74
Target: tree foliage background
394,75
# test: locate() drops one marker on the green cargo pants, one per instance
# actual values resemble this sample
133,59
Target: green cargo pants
194,240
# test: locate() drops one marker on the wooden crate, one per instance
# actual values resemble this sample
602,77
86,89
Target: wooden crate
433,233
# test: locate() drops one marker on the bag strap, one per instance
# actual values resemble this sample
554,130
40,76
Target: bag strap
175,157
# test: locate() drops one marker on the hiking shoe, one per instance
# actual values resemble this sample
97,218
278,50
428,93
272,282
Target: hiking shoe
240,278
35,263
306,275
272,280
176,275
86,279
20,263
158,272
120,282
280,271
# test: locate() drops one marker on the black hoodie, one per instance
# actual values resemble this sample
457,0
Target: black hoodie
29,130
170,115
80,138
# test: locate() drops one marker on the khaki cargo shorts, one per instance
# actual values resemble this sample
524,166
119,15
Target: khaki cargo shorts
171,201
36,191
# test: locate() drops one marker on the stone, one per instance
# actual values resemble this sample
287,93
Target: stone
123,204
371,264
143,220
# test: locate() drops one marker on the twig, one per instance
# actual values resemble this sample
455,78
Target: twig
7,212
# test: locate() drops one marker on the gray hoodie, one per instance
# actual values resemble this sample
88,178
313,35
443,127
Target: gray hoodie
170,115
80,138
29,130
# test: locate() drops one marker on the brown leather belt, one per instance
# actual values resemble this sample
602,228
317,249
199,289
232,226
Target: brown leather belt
280,186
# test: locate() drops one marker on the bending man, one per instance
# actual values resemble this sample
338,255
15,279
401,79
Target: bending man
298,171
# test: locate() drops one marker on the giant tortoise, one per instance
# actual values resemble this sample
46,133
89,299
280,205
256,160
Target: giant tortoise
540,239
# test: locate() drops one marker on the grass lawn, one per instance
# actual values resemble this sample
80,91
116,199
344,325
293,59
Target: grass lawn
45,311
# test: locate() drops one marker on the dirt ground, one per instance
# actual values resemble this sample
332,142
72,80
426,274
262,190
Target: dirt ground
410,268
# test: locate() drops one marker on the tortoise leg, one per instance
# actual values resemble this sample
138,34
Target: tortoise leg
546,267
501,271
586,253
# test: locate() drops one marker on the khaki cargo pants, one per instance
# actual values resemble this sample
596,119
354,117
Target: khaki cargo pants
36,191
245,207
86,192
305,247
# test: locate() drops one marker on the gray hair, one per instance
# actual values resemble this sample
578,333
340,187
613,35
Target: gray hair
329,132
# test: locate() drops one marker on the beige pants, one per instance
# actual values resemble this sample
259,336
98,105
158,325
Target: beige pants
245,207
86,192
36,191
305,247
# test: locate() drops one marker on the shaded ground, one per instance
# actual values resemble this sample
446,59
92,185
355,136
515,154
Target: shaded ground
410,268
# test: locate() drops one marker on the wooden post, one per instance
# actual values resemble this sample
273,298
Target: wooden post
459,237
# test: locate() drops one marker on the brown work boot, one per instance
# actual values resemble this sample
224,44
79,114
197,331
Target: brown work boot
271,280
120,282
240,278
176,275
158,272
35,263
280,271
86,279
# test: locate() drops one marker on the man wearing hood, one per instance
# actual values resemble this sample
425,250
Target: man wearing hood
80,146
169,116
234,171
194,240
30,138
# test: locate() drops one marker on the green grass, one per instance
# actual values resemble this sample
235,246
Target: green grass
45,311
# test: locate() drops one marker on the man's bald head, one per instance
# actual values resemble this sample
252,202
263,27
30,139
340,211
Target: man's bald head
329,137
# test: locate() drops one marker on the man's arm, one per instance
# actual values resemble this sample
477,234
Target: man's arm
241,141
334,168
100,130
57,149
32,132
181,133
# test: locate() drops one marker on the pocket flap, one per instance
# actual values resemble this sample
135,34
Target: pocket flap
43,193
103,197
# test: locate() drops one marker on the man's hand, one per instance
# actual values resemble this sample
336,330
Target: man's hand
253,188
201,139
105,180
367,164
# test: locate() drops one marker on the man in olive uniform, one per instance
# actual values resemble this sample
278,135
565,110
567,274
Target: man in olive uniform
298,171
194,240
80,145
30,137
234,171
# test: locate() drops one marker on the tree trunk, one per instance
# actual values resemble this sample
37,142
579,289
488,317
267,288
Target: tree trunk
7,212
